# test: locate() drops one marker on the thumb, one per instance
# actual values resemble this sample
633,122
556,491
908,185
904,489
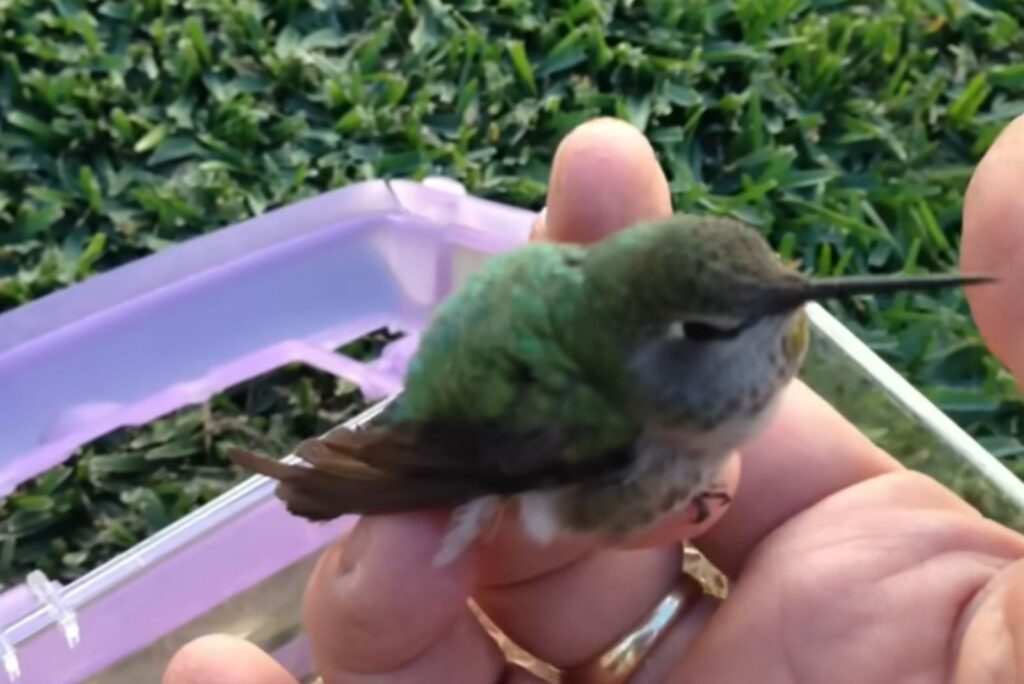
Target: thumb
376,609
992,646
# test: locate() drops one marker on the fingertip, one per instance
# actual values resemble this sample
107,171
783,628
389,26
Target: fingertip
375,600
993,243
538,232
224,659
605,177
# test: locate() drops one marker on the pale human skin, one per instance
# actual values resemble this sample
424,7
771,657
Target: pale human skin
847,567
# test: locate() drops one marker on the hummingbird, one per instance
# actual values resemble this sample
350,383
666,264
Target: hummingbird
597,388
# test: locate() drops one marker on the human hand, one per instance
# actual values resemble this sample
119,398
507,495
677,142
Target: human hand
844,565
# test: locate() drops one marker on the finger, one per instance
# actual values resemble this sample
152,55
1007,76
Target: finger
604,177
898,550
376,609
993,242
808,452
566,617
222,659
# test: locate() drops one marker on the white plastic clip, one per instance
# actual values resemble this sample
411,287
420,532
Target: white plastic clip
49,595
445,183
10,659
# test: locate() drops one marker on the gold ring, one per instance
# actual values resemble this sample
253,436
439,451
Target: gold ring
617,664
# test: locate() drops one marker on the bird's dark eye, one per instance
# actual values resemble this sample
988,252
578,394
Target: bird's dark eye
704,332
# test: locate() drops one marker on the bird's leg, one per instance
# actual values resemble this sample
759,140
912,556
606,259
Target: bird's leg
495,521
467,524
700,501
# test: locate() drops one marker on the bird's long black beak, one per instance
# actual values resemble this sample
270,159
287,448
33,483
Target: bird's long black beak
817,289
832,288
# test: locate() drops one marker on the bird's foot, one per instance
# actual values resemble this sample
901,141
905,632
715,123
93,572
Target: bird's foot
701,502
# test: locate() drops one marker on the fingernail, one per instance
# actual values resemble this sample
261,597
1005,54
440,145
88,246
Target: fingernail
354,547
539,224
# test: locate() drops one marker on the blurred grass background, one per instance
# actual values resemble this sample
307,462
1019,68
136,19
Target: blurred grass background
846,131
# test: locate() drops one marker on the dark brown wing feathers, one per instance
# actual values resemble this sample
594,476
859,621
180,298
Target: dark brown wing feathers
336,485
407,467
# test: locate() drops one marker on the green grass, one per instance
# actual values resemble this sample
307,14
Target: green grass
846,131
118,490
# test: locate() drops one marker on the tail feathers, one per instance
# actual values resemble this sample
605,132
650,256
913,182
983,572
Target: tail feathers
338,486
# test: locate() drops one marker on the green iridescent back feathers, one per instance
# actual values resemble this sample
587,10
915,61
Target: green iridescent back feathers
525,345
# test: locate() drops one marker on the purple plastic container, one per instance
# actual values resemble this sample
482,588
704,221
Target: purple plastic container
139,342
170,330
